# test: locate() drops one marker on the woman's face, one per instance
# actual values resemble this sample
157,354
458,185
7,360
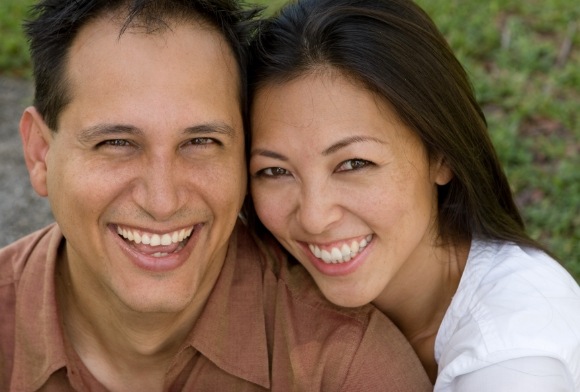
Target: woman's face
343,184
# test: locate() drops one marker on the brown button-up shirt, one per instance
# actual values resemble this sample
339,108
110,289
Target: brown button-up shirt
265,327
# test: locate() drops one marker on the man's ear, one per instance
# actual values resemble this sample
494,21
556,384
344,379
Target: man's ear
36,137
442,173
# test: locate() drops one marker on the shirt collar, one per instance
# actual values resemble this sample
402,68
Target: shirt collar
231,331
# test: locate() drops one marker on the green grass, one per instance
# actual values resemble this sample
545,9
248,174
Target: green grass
13,50
524,62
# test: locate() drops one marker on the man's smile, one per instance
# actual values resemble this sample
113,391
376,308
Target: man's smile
155,244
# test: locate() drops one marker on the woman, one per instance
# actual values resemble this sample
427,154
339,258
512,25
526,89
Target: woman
371,163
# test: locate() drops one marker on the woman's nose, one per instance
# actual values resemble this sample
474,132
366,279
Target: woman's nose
318,210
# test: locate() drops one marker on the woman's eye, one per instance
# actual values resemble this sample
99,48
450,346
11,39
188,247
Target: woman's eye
273,172
353,164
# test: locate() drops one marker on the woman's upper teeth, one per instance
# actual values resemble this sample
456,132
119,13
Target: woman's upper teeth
340,254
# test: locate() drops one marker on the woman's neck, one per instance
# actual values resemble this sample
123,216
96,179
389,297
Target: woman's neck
417,299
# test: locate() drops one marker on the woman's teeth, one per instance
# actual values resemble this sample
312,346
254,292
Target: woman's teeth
343,254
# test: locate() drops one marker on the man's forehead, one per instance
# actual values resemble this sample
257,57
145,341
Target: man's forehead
185,74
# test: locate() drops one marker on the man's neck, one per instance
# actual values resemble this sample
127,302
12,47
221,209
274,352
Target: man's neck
118,345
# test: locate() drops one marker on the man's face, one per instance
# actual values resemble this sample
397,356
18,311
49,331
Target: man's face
146,172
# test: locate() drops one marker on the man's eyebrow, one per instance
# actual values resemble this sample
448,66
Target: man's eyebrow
101,131
212,128
348,141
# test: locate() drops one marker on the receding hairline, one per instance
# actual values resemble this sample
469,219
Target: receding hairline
117,18
148,23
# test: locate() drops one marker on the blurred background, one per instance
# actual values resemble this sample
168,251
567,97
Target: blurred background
524,62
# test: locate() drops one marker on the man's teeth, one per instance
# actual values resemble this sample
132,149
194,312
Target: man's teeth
340,255
153,239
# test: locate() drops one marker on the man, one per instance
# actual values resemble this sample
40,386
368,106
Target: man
148,282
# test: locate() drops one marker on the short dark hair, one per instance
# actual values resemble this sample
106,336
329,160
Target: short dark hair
395,50
54,25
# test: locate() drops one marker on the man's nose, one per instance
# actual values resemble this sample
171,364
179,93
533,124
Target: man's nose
161,194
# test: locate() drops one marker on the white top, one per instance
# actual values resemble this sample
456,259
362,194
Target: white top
513,325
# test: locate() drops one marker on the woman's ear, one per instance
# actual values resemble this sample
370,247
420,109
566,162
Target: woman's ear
36,138
441,172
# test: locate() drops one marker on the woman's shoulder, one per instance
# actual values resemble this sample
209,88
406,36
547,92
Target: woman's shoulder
512,302
496,271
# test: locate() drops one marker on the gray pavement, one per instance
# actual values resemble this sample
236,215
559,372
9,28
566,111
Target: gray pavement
21,209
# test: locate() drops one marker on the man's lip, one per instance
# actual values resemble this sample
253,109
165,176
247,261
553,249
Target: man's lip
155,259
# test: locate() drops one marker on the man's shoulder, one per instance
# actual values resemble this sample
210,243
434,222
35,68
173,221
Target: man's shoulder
14,256
13,260
292,294
287,280
309,343
360,346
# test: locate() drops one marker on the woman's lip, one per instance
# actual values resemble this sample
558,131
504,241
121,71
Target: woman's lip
338,269
167,263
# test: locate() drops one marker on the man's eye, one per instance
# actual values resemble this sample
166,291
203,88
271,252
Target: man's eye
203,141
273,172
353,164
115,143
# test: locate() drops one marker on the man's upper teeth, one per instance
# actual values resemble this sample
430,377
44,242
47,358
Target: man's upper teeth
340,255
154,239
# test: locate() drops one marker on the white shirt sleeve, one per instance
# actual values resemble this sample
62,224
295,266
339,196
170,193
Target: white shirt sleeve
529,374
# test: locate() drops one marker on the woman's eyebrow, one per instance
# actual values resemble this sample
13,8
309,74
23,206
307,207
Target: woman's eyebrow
330,150
348,141
268,154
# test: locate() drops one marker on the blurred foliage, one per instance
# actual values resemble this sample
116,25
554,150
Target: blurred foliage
13,47
524,62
